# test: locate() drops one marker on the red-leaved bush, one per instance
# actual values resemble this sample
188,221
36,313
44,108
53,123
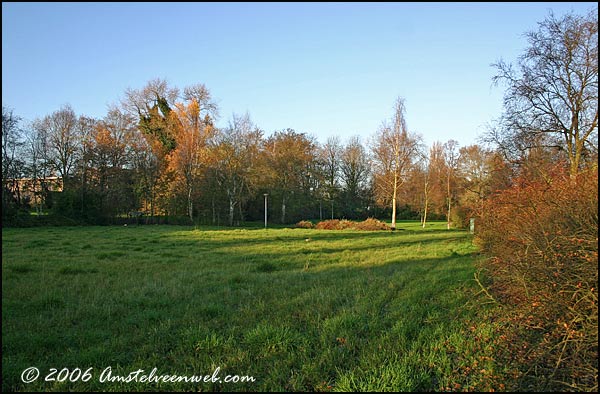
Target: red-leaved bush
369,224
334,224
543,241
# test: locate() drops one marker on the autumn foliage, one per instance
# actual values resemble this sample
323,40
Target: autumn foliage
543,236
369,224
304,224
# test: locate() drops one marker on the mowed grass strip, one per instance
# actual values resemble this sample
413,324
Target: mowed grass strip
299,310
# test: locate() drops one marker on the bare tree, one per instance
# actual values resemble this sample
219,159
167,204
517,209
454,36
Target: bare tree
85,129
12,163
451,156
10,136
201,94
354,172
552,97
426,188
140,102
40,164
61,131
329,156
394,150
475,170
236,154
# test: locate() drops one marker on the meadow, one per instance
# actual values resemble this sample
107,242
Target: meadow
296,309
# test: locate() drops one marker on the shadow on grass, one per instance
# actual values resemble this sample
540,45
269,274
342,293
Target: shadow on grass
265,310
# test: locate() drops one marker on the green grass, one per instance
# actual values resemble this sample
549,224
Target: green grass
299,310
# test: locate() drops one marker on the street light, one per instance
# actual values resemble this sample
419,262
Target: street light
266,209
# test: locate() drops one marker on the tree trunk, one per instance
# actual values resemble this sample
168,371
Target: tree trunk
576,158
449,203
394,201
283,209
231,210
425,212
214,217
17,189
320,210
241,212
82,191
331,209
152,206
190,205
426,198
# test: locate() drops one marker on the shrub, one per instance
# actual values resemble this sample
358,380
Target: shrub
304,224
370,224
345,224
332,224
543,239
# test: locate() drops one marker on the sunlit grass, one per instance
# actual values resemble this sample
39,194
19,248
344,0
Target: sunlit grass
299,310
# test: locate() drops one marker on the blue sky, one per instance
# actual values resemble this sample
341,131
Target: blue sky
320,68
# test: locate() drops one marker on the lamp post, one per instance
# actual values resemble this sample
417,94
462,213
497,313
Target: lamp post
266,209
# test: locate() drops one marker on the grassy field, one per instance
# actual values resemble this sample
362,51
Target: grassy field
298,310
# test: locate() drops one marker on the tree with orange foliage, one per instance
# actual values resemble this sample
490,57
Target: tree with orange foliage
192,128
151,105
290,165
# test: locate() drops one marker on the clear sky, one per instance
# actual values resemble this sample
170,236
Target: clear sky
320,68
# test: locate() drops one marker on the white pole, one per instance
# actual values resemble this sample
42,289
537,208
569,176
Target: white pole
266,209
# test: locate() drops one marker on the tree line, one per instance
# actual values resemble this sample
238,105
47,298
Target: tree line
159,153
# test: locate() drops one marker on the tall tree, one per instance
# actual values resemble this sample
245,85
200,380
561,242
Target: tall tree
152,105
451,156
354,174
40,164
329,157
236,162
437,179
202,96
11,139
63,140
193,129
289,157
394,150
475,172
12,162
85,130
552,96
426,181
111,161
146,171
